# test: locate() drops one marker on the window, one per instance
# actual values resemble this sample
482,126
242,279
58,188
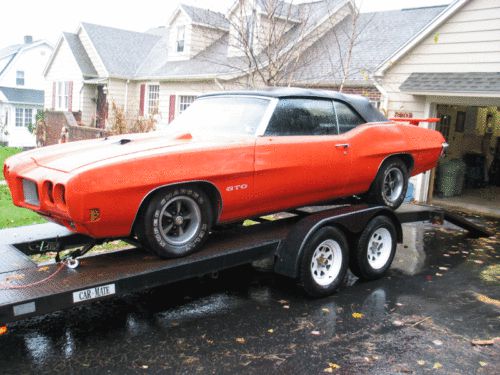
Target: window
19,117
24,117
62,96
153,99
181,33
185,101
250,25
346,117
20,78
303,117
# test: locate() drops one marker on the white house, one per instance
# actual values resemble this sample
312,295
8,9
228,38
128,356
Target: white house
451,70
21,89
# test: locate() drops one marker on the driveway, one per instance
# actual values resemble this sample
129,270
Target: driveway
442,293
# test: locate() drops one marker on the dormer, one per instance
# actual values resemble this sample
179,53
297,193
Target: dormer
192,30
251,20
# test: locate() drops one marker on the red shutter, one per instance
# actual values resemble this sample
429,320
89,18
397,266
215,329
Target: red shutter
70,96
171,109
141,102
53,95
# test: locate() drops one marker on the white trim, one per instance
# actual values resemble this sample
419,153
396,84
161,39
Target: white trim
431,26
458,94
94,50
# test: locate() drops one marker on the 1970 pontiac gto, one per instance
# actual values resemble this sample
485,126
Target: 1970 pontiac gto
229,156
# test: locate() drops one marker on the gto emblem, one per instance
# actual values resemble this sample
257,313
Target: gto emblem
237,187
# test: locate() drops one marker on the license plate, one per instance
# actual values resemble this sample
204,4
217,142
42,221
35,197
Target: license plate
93,293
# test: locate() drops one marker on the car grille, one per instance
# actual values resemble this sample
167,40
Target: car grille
30,192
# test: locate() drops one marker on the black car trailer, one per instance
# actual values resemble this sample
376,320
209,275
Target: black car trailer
307,244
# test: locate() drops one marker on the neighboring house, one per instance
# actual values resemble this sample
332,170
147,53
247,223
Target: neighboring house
451,70
159,73
21,90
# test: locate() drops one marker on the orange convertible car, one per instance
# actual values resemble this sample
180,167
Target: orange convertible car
229,156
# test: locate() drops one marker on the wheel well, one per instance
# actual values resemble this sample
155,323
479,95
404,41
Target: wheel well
209,189
406,158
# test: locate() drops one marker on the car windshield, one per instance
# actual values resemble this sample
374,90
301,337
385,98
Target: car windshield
224,115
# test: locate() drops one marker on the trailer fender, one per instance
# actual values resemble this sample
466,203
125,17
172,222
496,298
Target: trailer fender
351,220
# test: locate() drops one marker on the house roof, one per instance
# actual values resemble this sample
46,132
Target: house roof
452,82
10,50
23,96
13,50
377,36
121,51
206,17
81,56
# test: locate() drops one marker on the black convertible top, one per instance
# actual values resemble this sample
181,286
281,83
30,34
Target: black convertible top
357,102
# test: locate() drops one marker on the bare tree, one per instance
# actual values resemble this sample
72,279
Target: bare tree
267,40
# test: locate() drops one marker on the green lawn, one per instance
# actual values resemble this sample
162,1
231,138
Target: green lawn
12,216
5,152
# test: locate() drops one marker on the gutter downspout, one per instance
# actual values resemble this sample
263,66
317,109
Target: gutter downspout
385,103
126,96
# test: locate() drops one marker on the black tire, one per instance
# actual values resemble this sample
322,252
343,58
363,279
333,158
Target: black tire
391,170
339,248
176,222
375,232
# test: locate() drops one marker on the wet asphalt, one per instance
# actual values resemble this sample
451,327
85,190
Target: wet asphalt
439,295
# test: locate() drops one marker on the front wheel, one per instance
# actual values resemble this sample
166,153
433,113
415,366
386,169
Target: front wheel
374,250
390,185
176,222
324,262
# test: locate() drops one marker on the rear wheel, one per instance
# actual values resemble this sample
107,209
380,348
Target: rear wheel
390,185
324,262
374,251
176,222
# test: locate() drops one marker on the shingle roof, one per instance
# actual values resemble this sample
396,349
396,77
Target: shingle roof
282,9
81,56
379,35
121,51
10,50
206,17
23,96
453,82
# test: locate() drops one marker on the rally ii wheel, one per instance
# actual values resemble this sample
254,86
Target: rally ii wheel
374,250
176,222
390,185
324,262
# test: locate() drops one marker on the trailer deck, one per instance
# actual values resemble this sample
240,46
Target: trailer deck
28,289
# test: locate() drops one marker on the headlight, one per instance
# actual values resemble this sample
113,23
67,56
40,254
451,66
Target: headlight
30,192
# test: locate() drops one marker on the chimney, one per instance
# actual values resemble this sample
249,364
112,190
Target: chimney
28,39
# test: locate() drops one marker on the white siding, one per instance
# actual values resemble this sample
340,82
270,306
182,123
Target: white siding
64,68
202,37
467,42
88,104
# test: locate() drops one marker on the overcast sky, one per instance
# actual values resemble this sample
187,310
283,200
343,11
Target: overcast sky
46,19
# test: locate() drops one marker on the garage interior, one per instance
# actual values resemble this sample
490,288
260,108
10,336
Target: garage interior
469,176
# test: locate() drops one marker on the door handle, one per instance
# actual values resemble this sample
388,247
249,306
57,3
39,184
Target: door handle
343,145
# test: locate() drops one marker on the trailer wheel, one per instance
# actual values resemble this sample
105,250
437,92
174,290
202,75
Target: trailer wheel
176,222
324,262
374,250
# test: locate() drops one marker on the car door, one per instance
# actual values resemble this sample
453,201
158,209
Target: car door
300,158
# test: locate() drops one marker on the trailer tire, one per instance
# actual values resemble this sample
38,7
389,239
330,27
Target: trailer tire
176,222
324,262
375,248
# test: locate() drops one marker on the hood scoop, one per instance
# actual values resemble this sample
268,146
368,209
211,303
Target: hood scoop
185,136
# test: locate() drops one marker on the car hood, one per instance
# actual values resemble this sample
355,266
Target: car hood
71,156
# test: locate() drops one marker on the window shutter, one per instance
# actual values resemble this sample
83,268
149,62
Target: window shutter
53,95
141,102
171,109
70,96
